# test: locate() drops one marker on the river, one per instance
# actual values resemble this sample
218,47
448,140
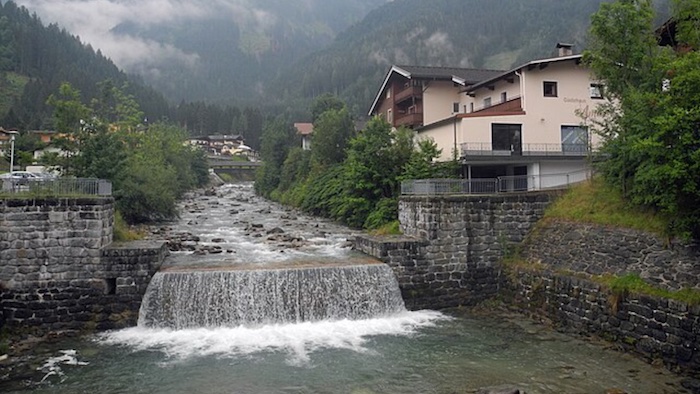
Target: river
453,351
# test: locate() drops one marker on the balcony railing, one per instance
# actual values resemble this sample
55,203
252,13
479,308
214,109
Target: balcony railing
412,91
514,104
505,184
58,187
487,149
413,119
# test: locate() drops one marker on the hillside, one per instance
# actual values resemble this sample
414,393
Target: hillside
225,51
494,34
34,61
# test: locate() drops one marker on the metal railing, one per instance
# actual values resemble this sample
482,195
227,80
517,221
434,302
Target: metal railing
58,186
504,184
487,149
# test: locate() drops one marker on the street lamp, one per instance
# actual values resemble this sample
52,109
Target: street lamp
12,134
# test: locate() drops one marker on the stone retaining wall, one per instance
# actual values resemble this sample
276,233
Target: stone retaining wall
52,238
653,327
59,270
477,229
430,284
597,250
450,255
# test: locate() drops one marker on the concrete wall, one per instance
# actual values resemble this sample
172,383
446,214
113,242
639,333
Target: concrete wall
60,271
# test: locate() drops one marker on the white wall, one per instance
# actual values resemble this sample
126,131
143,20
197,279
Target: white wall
438,98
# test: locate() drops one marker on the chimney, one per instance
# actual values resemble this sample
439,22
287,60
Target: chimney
565,49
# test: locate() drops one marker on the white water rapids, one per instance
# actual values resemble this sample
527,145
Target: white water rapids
259,294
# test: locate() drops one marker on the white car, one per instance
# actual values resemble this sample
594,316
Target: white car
21,175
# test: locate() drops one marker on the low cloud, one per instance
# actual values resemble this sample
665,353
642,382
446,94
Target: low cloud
93,21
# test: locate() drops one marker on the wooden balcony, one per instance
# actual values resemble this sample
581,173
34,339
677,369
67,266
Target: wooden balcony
405,94
513,105
409,120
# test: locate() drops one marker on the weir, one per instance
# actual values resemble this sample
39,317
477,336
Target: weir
192,299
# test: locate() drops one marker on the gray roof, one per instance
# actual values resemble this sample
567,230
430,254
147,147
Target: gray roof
469,75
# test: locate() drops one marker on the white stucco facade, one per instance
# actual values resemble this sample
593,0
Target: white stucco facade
544,108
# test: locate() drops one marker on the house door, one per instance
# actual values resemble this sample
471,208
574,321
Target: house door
507,137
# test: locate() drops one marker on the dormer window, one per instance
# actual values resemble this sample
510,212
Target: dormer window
549,89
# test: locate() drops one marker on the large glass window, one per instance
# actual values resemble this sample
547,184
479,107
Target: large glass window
574,139
507,137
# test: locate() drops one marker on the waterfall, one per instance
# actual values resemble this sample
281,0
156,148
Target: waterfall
181,300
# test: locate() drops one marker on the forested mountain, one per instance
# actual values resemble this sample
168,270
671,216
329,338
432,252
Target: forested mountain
220,51
492,34
34,61
263,57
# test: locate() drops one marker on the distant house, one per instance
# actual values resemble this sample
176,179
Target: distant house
5,138
666,35
527,121
305,130
46,136
224,144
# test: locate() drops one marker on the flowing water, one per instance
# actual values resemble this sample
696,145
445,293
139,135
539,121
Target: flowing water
295,311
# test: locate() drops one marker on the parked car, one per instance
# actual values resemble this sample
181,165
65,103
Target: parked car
21,175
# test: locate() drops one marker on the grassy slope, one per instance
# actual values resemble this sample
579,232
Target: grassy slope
596,203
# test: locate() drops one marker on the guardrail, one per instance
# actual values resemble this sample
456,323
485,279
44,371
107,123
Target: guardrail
58,186
505,184
487,149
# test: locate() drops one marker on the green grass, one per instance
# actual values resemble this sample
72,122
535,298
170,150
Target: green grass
122,231
391,228
634,284
596,203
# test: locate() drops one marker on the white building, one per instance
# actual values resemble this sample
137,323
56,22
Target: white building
528,121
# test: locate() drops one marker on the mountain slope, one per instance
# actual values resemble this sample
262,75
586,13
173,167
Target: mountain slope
35,59
491,34
234,54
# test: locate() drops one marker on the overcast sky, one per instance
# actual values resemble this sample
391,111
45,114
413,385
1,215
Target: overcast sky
92,20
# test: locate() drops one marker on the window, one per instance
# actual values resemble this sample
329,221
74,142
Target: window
487,102
507,137
574,140
388,93
504,97
596,90
389,116
455,107
471,107
550,89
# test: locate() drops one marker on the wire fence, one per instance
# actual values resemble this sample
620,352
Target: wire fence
57,186
504,184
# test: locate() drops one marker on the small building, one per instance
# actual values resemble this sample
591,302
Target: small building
46,136
306,131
